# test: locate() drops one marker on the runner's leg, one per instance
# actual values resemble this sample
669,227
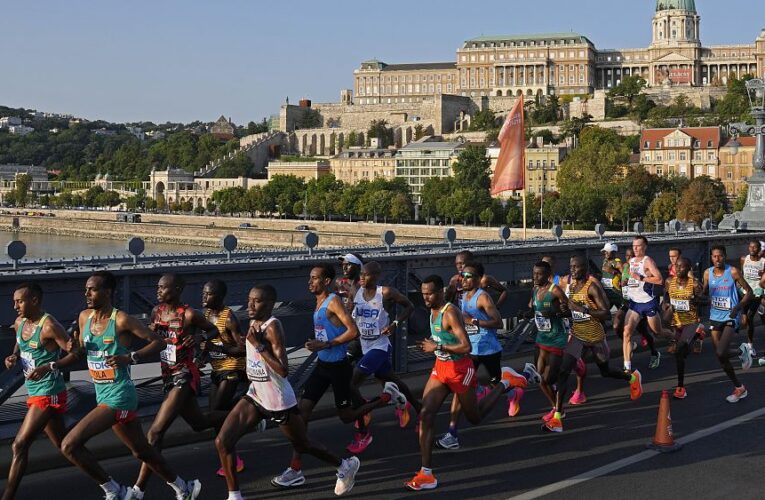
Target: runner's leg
131,434
433,397
99,420
242,419
722,340
34,422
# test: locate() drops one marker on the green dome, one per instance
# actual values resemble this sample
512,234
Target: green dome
676,5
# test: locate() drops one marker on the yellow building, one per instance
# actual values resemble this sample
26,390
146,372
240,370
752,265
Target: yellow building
306,170
542,164
689,152
357,164
736,164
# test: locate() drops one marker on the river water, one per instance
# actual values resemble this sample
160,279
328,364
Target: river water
56,246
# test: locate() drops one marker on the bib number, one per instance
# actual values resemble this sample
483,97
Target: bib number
543,324
320,333
751,274
681,305
625,293
721,303
633,283
27,363
471,329
608,283
256,370
579,317
101,372
168,354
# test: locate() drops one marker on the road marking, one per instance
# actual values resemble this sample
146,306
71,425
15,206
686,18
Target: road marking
639,457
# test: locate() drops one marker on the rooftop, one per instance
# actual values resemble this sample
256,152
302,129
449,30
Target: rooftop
530,37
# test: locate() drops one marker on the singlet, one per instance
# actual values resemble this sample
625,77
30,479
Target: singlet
550,331
220,361
458,290
685,312
174,358
671,271
324,330
625,280
114,387
639,291
585,327
267,388
439,335
371,318
723,295
483,340
612,283
556,280
752,270
32,353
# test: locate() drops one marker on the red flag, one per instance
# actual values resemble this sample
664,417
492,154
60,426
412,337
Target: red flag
509,174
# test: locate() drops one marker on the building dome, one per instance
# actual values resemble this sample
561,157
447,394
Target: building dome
689,5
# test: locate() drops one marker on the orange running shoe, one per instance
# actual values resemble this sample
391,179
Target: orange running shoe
514,378
680,393
636,386
422,481
403,415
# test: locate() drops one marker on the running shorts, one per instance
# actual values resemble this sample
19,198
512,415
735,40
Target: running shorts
458,375
492,364
578,349
233,375
122,416
338,375
375,362
280,417
719,326
647,309
55,401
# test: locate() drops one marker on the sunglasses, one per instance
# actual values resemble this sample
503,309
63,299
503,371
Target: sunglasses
466,274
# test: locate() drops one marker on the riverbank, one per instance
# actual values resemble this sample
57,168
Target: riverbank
206,231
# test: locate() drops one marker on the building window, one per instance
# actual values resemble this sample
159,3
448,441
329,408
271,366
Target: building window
647,144
682,156
659,170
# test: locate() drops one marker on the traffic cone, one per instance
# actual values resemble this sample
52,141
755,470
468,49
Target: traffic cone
662,440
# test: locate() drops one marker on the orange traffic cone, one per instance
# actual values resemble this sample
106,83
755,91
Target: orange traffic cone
662,440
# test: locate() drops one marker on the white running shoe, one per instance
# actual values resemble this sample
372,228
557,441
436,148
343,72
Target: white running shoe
290,478
395,395
346,475
193,488
535,377
746,356
134,493
117,495
448,442
738,394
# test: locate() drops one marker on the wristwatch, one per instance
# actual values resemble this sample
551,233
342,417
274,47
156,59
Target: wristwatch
475,321
395,322
53,366
260,348
134,358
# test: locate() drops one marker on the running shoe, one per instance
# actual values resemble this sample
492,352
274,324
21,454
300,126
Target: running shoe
513,378
680,393
367,418
636,386
290,478
481,392
578,398
403,416
396,396
746,356
239,467
422,481
654,361
133,493
123,492
448,442
548,416
193,488
737,394
359,443
761,361
581,368
514,402
553,425
346,475
531,370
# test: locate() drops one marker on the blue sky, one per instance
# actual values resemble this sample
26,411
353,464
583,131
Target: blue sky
185,60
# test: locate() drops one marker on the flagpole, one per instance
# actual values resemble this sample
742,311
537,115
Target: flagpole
524,213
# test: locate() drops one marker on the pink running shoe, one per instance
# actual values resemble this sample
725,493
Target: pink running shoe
359,443
239,467
514,402
581,368
403,415
578,398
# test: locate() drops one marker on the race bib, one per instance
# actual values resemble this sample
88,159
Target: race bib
543,324
471,329
681,305
625,293
27,363
751,274
608,283
580,316
633,283
721,303
218,355
761,309
101,372
168,354
256,370
320,333
443,355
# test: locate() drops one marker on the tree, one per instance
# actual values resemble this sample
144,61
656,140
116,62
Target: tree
472,168
309,119
379,129
741,198
21,193
574,126
734,107
199,210
401,207
484,120
663,208
435,195
107,199
238,166
514,215
629,88
486,216
704,197
230,200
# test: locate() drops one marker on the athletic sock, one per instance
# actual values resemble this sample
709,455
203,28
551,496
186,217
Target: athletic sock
628,366
505,383
110,486
137,492
453,429
427,471
235,495
296,464
179,485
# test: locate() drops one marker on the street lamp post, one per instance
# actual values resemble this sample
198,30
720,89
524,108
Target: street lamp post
752,217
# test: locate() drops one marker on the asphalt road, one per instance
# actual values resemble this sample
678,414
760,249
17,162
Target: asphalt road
506,457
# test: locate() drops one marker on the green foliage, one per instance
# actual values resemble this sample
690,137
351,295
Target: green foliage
663,208
574,126
704,197
484,120
547,136
472,168
546,113
310,118
230,200
734,107
629,88
486,216
741,199
21,193
379,129
238,166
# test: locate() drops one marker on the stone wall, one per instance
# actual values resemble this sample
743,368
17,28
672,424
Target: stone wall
701,97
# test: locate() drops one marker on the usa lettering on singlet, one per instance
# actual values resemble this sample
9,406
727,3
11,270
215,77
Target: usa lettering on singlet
371,319
267,388
639,291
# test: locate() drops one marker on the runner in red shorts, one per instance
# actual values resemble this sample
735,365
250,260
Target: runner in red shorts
453,372
40,339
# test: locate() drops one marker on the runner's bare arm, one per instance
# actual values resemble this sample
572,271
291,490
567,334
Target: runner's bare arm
125,323
52,331
490,282
653,274
598,295
196,318
391,294
451,289
487,305
276,357
743,285
559,299
337,310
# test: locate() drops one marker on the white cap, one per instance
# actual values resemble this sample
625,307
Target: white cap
349,257
609,247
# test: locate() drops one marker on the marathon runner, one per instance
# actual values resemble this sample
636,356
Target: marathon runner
589,310
481,320
375,329
346,288
578,397
674,254
40,340
612,269
546,304
105,340
453,372
176,322
333,329
753,267
270,397
725,314
682,295
226,353
488,282
644,275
